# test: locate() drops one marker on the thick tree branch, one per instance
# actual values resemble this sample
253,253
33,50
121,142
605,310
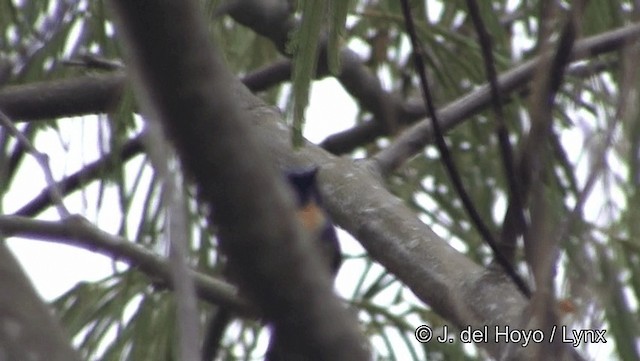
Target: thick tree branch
89,94
268,76
206,112
28,330
97,94
453,286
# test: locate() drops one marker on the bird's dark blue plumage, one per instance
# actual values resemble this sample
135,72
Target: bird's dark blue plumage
316,221
313,216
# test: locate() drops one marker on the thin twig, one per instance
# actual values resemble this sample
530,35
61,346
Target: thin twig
176,234
448,161
541,246
414,139
502,133
94,61
87,174
43,161
79,232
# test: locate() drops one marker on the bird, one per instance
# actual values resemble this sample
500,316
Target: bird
313,216
316,221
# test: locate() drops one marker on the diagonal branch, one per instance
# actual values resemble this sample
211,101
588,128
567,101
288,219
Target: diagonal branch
93,94
516,222
448,162
540,241
77,231
43,161
274,20
414,139
29,331
82,177
207,113
452,285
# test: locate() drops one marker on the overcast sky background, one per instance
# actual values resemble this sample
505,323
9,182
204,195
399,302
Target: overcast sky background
55,268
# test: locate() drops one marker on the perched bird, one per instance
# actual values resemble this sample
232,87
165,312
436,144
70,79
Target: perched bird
314,218
316,221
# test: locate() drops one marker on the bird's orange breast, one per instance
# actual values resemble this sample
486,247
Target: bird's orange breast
312,217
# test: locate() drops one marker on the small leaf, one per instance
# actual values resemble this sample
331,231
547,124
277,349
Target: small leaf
305,48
